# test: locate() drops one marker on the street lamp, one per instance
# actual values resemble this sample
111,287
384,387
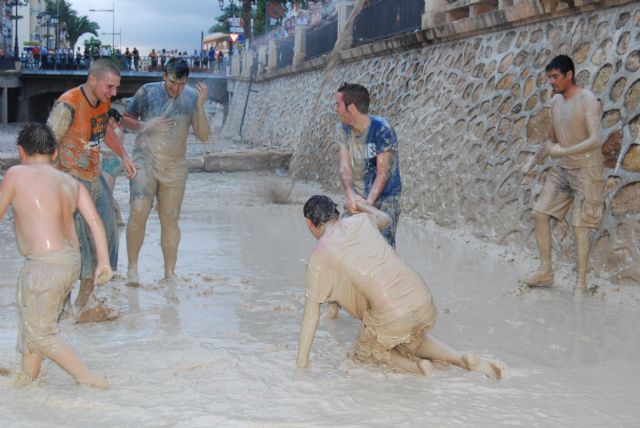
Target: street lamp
113,22
45,20
15,17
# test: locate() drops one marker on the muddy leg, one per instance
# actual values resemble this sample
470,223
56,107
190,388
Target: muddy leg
404,364
31,363
169,204
68,360
582,256
136,225
434,350
544,276
86,289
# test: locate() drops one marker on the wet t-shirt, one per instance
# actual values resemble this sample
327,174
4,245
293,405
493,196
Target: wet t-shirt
166,151
79,128
571,119
354,265
363,150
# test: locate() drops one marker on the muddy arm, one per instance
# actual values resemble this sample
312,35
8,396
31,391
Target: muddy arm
6,193
346,178
382,176
381,218
200,123
307,331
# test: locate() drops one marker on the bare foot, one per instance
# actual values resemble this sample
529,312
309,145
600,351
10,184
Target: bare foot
494,370
332,311
581,285
98,382
99,313
426,367
23,380
4,372
132,277
86,288
538,279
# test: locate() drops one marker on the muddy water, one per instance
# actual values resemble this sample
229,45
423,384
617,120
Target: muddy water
218,348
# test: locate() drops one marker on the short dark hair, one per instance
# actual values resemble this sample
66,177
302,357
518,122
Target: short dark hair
562,63
99,67
357,95
37,139
320,209
177,67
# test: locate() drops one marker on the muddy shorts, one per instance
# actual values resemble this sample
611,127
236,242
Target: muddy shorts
579,189
112,165
406,334
44,282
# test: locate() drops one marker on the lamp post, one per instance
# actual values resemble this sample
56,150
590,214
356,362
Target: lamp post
45,20
54,21
16,17
119,34
113,22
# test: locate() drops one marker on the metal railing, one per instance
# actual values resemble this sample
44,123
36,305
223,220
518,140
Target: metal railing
383,18
321,39
284,48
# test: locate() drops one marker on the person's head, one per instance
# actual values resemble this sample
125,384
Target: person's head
320,210
352,100
175,76
36,139
103,79
561,73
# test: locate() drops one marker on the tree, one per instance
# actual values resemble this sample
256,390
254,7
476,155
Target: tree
69,21
243,8
77,26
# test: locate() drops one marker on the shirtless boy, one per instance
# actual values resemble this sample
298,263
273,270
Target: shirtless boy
44,200
353,265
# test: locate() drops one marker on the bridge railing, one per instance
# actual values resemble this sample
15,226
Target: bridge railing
144,64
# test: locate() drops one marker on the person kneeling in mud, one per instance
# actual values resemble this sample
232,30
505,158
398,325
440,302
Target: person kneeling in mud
354,266
44,201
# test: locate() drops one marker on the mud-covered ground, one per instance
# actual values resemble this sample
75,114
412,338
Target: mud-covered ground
218,348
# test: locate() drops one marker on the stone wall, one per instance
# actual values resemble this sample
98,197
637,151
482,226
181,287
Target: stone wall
469,113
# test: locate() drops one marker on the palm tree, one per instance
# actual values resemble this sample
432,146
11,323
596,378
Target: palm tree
77,26
74,25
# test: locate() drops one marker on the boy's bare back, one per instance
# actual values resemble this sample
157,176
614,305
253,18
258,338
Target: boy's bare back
44,201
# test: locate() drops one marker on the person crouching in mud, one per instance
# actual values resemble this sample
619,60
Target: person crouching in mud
354,266
44,201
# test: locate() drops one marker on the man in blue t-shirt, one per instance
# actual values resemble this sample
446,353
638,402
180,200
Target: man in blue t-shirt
369,162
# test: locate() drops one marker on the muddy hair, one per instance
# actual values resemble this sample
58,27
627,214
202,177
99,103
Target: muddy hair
102,66
562,63
176,67
37,139
357,95
320,209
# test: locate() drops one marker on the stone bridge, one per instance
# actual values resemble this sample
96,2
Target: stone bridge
27,95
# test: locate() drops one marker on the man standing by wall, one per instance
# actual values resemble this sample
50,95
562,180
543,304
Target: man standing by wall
369,162
162,112
577,175
79,122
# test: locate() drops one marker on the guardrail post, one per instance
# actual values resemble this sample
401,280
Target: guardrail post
262,59
344,8
273,55
300,44
247,63
434,13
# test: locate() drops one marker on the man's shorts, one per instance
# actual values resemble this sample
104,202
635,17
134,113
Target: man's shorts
406,334
583,188
43,284
112,165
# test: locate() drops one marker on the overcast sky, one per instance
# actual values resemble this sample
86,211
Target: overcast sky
146,24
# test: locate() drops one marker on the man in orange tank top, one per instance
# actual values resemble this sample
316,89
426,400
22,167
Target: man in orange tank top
80,123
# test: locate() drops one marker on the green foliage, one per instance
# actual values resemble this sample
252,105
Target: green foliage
93,42
74,25
258,14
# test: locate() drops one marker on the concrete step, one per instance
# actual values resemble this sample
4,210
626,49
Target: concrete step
247,160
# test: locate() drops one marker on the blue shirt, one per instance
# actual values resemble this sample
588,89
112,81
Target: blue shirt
363,151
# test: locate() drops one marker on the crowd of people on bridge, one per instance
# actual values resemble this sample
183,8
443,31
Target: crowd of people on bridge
41,58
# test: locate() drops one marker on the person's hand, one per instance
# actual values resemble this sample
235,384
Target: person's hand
556,151
201,88
352,202
129,167
157,124
103,274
